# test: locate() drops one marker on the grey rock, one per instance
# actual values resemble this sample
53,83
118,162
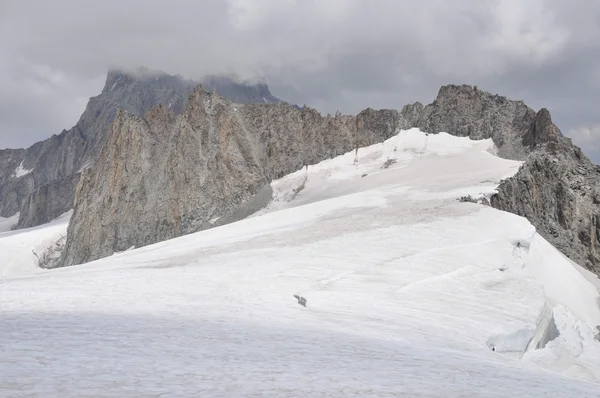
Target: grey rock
48,201
468,199
413,113
388,163
57,161
12,189
166,175
50,256
466,111
558,190
301,300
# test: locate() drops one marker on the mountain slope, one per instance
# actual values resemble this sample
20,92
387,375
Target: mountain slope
560,194
466,111
45,187
409,292
53,164
212,162
25,250
557,189
166,175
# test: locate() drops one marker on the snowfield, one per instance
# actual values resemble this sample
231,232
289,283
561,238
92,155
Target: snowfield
409,291
20,250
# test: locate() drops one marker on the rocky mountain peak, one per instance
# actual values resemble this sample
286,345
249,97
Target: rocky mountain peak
542,132
159,115
169,175
116,78
59,159
455,91
238,91
467,111
123,79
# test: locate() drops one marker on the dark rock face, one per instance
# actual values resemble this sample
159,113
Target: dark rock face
542,132
237,92
164,176
12,188
56,162
466,111
558,190
42,205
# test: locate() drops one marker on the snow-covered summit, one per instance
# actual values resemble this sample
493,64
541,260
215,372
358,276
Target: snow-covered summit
410,292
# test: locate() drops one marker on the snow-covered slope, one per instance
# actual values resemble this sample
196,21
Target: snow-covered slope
6,223
409,293
21,250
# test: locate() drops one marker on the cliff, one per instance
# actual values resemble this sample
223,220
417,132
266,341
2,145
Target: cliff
39,181
166,175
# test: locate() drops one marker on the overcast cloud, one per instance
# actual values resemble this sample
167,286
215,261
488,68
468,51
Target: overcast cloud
331,54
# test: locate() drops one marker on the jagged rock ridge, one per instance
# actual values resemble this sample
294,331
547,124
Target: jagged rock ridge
227,144
165,175
466,111
557,189
53,165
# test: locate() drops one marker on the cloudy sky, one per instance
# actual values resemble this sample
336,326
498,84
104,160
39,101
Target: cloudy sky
331,54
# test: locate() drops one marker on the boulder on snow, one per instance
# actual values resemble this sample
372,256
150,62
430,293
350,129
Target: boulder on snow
301,300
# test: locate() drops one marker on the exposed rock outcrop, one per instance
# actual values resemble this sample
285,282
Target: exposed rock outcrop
166,175
13,188
42,205
41,171
558,191
466,111
56,162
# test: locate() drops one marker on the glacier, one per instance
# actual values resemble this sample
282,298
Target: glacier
410,292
